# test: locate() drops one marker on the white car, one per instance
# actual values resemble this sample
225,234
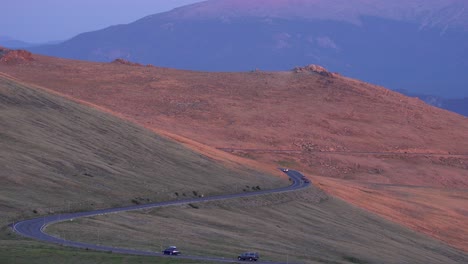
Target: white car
285,170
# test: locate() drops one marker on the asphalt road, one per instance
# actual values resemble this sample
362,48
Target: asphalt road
34,228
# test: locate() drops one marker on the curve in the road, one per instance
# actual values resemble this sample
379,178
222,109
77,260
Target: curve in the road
34,228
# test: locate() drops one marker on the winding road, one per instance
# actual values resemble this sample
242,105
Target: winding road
35,228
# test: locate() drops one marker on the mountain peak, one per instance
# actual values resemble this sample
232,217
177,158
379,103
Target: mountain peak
426,12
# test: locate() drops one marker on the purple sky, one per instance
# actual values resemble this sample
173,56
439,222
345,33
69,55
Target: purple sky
50,20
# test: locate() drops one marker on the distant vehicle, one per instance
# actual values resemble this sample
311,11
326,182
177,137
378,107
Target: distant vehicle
249,256
286,170
172,250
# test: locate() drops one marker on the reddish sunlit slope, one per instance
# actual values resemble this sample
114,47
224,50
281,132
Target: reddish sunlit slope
388,153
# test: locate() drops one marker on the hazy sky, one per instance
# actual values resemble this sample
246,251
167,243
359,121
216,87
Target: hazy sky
50,20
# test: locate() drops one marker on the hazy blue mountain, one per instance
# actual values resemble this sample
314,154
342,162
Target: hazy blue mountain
417,45
12,43
457,105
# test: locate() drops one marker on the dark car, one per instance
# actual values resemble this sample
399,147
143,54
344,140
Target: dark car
250,256
172,250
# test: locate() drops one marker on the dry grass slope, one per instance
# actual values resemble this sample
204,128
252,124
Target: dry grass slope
294,227
311,113
57,155
304,111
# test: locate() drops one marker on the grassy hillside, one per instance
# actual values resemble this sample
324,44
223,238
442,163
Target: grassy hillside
28,252
294,227
291,110
317,115
57,155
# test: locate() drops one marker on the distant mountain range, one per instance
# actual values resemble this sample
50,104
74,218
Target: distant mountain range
458,105
416,45
12,43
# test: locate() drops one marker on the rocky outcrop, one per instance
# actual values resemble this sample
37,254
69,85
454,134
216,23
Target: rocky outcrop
129,63
14,56
312,68
125,62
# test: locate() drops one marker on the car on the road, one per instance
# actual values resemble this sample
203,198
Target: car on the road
248,256
172,250
285,169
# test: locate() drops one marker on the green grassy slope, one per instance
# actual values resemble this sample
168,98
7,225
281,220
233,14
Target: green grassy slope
25,252
294,227
58,156
54,153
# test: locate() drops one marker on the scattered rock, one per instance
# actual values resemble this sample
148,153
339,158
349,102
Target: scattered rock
140,200
88,174
194,206
375,171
